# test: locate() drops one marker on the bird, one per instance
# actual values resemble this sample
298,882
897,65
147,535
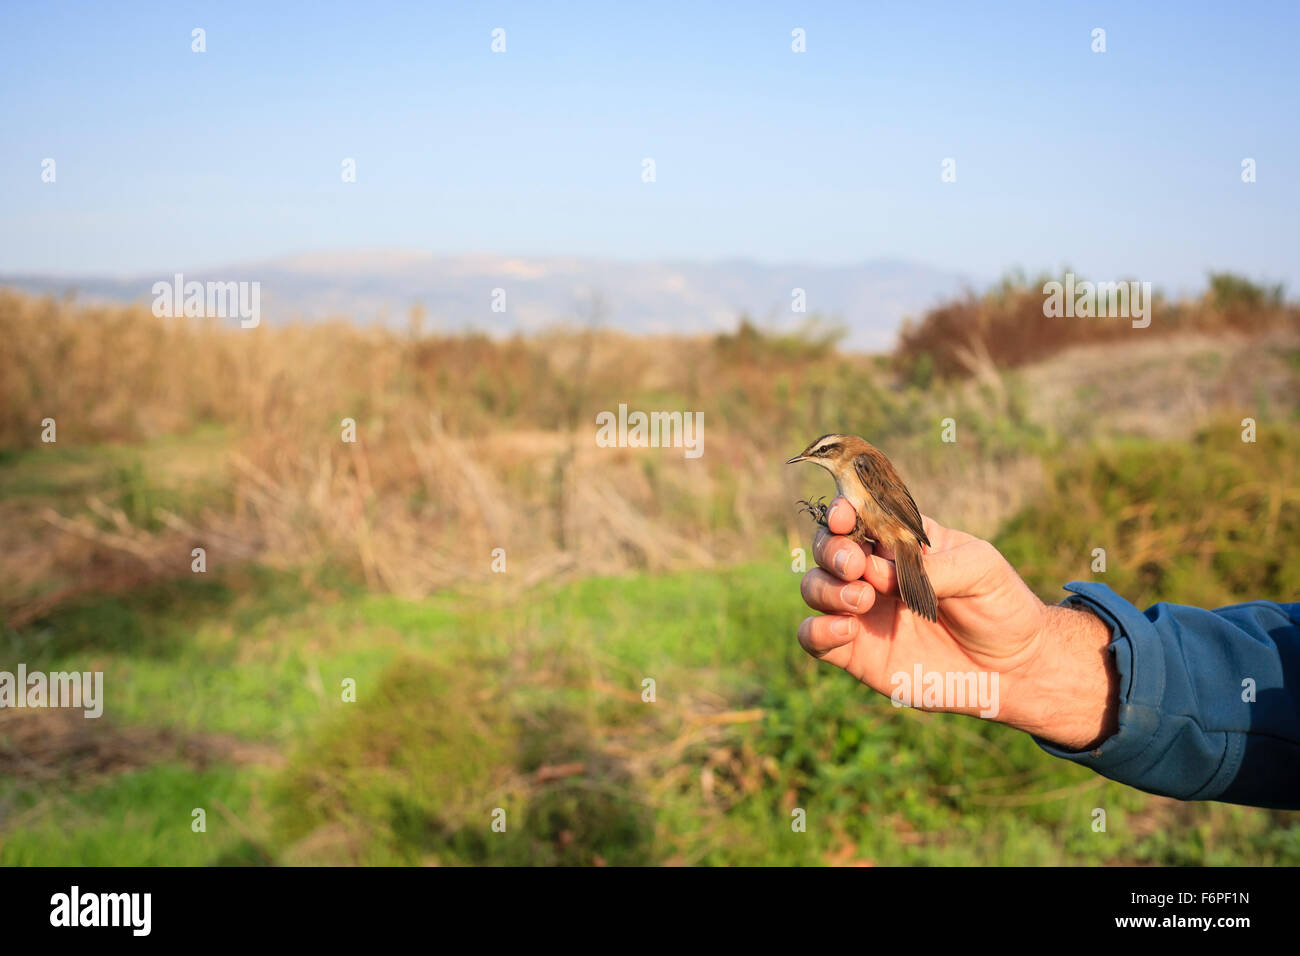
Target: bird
885,509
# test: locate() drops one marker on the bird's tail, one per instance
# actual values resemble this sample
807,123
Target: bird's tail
913,583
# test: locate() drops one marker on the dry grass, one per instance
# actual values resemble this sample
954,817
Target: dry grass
464,445
467,444
57,744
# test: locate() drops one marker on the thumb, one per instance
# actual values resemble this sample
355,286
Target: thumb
841,518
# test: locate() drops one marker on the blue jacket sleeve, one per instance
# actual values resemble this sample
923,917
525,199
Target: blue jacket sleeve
1209,701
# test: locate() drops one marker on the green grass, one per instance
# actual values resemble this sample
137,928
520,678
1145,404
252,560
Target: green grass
188,468
458,707
142,818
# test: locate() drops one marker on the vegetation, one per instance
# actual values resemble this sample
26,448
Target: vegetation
1007,326
523,692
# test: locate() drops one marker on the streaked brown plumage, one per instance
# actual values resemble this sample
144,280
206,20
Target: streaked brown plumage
886,511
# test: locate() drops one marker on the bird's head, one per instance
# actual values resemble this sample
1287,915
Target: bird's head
832,452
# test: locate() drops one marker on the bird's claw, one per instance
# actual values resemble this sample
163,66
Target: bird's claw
818,509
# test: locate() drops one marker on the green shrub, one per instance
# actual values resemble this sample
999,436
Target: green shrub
1208,523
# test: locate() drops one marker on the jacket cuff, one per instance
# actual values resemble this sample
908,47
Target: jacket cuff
1147,735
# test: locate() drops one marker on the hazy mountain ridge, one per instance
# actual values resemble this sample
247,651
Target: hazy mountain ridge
370,286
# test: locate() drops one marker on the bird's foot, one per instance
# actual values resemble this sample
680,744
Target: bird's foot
818,509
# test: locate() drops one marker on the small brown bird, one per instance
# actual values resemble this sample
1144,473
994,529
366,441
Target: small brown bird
886,511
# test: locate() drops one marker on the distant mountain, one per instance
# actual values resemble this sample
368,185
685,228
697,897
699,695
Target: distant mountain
457,291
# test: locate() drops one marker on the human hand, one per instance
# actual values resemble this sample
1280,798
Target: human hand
1054,677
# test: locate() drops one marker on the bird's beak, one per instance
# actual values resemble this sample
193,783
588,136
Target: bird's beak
797,458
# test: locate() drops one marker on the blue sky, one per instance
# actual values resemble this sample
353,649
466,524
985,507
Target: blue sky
1125,163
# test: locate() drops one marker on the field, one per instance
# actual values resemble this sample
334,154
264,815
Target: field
378,564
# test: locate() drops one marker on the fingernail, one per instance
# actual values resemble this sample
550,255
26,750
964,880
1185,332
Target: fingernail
841,561
851,593
842,627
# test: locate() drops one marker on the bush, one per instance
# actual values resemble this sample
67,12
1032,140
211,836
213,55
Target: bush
1007,328
1209,523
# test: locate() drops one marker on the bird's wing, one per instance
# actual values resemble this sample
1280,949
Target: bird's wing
892,496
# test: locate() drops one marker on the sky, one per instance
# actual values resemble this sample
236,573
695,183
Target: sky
1125,163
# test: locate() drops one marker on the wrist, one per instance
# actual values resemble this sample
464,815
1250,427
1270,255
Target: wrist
1068,692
